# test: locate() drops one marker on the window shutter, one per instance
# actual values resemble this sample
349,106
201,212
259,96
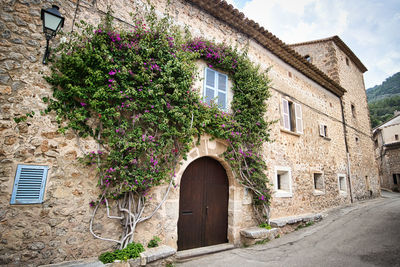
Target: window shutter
29,184
222,90
321,130
285,114
299,118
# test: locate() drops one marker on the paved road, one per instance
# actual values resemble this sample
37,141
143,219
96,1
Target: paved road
364,234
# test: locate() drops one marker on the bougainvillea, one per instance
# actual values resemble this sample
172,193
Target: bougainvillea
132,91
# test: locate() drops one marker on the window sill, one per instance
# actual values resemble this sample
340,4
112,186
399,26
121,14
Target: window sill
318,192
326,138
290,132
282,193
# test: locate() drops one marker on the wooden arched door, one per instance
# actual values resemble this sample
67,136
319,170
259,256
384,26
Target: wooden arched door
203,205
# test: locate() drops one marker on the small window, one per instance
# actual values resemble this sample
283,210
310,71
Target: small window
308,58
376,143
367,187
323,130
347,62
395,178
353,110
216,88
283,182
289,74
29,184
396,137
356,139
318,182
292,117
342,184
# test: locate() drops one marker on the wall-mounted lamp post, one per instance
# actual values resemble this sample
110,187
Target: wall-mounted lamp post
52,23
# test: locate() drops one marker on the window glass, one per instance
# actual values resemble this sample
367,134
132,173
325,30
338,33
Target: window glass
210,78
222,82
221,100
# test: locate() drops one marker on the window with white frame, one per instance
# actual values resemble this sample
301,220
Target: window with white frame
319,185
283,182
342,183
323,130
215,88
292,117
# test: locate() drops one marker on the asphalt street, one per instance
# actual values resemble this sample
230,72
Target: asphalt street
363,234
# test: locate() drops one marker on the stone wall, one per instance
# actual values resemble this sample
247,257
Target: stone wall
391,165
327,56
323,56
364,171
58,229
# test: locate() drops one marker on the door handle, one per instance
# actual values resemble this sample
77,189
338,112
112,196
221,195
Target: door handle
206,210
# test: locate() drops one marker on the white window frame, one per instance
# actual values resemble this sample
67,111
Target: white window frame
315,190
216,87
342,192
323,130
286,116
280,192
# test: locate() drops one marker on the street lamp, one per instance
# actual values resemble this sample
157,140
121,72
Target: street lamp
52,23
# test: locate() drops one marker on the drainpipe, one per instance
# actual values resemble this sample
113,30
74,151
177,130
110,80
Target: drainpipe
347,151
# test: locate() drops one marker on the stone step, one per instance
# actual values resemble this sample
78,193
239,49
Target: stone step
156,253
280,222
195,252
150,255
91,262
254,234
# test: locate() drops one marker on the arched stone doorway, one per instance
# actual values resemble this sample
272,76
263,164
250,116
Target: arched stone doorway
203,204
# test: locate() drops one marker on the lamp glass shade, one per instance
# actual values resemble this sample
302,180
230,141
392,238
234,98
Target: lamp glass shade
52,22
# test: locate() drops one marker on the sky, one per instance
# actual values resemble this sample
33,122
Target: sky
371,28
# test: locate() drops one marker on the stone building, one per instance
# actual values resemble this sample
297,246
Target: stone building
387,152
321,157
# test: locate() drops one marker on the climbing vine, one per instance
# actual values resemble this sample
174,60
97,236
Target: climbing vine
132,91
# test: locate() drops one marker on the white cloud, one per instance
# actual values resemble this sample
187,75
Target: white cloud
232,2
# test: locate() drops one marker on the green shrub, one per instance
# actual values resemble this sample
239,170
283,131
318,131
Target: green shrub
154,242
107,257
131,251
266,226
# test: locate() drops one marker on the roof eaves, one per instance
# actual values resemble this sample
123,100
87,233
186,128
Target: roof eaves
383,123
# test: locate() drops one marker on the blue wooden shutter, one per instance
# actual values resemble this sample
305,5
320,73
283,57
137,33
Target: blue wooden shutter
29,184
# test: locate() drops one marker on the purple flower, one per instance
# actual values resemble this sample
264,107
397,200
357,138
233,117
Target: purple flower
112,72
223,125
83,104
